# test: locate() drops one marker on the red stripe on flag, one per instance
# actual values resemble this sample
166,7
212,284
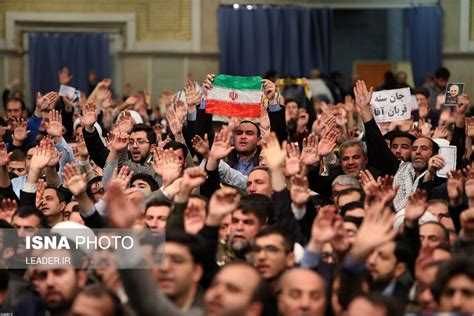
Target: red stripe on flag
233,109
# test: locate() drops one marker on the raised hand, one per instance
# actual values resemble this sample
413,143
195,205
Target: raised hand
221,146
40,193
64,76
309,154
41,157
441,132
81,148
299,192
323,228
193,96
207,85
463,104
55,156
292,164
233,123
74,180
117,141
125,122
89,116
376,229
455,187
362,98
223,202
20,132
367,180
416,206
269,89
121,211
4,155
327,144
467,224
274,153
47,101
181,110
9,207
171,167
102,94
201,146
380,195
192,178
174,122
264,119
123,177
54,128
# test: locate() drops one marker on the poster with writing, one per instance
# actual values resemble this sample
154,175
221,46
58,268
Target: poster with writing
391,105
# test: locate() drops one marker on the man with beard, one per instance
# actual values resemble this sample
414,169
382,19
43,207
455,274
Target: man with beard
56,285
385,265
441,80
247,220
247,150
141,139
424,159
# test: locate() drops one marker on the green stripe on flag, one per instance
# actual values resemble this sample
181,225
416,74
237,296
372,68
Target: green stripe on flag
238,82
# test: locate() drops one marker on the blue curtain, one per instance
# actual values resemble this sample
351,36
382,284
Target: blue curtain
425,39
80,52
289,39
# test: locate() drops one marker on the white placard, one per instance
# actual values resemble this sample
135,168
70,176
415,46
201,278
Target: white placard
66,91
391,105
449,155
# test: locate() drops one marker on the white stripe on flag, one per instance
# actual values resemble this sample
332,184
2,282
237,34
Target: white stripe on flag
235,95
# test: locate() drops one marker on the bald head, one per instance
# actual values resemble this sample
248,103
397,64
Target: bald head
303,292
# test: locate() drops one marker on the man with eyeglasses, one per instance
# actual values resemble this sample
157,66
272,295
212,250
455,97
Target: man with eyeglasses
273,253
141,139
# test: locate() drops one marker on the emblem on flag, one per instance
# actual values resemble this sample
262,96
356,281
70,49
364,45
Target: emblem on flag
233,95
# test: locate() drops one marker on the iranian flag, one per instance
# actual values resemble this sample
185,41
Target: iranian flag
235,96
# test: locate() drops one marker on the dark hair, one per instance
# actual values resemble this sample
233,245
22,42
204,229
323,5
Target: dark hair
461,265
63,195
99,291
157,202
250,122
147,178
423,91
353,219
349,191
289,238
351,206
292,100
27,211
203,198
150,134
90,183
16,99
175,146
194,244
259,205
17,155
434,145
443,73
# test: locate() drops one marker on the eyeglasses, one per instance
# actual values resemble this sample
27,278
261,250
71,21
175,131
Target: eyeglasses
139,142
99,191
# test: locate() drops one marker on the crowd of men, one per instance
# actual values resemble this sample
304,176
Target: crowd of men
311,209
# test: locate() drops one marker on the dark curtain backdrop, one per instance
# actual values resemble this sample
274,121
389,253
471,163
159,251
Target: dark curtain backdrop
80,52
289,39
426,48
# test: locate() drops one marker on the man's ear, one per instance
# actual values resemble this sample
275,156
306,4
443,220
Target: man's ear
82,278
255,309
290,259
400,268
63,206
198,273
